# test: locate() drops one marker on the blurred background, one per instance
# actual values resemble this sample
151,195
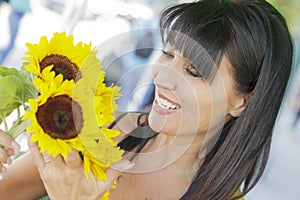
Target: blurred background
119,27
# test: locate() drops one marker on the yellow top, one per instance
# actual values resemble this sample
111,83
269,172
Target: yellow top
238,192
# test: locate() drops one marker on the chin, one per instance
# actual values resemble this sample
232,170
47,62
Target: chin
162,124
156,122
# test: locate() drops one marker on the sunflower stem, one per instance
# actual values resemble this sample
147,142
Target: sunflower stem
19,114
16,134
18,128
5,124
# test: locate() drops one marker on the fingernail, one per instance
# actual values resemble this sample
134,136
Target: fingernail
15,145
10,152
8,161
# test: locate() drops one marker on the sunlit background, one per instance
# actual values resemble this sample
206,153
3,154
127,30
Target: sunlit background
99,21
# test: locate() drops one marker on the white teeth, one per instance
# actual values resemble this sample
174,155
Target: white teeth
165,104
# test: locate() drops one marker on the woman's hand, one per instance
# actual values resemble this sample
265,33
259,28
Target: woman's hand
64,179
8,147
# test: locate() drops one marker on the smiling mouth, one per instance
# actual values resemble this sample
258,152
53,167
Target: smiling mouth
166,103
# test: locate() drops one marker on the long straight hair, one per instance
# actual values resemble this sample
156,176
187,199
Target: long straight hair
255,38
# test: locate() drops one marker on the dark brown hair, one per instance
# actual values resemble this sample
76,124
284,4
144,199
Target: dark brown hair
255,38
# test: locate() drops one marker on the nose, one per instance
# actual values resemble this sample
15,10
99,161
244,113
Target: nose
164,76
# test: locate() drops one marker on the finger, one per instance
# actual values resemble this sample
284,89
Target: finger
49,159
121,166
37,156
10,152
113,173
4,157
2,169
7,141
73,160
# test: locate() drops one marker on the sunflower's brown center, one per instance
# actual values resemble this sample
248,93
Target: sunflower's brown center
60,117
61,65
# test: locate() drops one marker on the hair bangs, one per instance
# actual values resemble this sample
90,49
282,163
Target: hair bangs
202,42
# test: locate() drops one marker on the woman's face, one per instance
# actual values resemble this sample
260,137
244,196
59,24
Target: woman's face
184,102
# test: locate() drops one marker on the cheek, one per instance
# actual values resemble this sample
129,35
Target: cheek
207,108
197,107
217,106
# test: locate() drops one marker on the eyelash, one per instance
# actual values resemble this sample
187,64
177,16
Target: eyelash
167,54
191,70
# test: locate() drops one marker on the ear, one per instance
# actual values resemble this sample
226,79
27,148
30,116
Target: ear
240,105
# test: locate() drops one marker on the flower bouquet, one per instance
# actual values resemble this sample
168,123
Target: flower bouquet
70,105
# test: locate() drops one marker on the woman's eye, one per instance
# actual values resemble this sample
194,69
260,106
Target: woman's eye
168,54
191,70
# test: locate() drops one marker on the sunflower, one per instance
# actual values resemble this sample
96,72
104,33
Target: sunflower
60,52
98,103
56,120
100,149
104,97
105,196
74,104
72,115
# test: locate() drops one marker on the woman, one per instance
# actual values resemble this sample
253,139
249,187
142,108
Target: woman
219,85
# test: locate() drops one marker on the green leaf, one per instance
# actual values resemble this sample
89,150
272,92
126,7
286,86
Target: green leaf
15,87
29,90
8,90
27,76
7,111
5,71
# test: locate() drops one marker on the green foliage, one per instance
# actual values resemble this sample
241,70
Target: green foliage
16,88
290,9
